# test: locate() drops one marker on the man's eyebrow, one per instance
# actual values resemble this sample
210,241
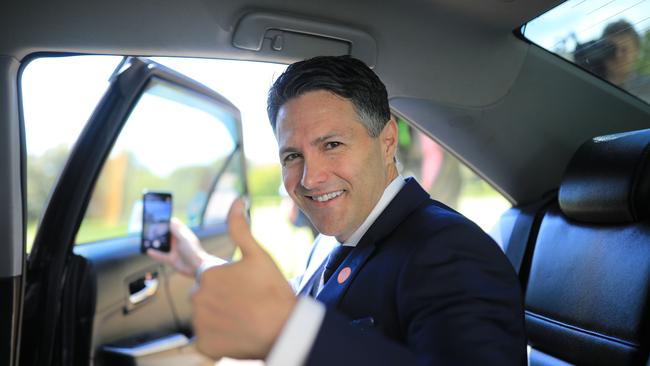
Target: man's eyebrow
316,141
320,139
288,149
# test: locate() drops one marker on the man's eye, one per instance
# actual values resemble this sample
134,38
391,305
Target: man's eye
291,157
332,144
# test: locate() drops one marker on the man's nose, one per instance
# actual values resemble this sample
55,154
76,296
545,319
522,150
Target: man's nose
314,172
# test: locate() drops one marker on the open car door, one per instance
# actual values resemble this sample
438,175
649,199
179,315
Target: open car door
91,296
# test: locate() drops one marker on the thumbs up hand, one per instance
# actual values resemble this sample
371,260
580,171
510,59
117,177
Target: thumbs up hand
241,307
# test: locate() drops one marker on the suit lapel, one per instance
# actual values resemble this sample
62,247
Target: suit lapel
406,201
334,289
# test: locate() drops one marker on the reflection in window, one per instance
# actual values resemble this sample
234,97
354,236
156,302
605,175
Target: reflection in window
446,178
609,38
229,186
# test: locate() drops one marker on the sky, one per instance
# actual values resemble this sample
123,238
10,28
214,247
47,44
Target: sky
176,136
60,93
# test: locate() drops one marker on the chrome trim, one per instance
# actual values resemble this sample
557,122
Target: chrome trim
150,288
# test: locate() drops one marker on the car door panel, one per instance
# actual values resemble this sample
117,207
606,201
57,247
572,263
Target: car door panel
139,310
43,338
180,285
167,350
9,305
118,264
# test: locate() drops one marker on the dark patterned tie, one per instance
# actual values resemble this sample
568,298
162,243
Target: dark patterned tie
334,260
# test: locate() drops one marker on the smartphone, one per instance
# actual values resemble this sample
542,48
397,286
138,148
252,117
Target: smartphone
156,214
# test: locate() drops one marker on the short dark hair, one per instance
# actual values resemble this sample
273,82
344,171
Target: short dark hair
619,28
344,76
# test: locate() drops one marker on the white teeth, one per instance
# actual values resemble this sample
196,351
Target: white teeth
327,196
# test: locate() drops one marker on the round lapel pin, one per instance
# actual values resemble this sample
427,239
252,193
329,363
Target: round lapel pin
344,275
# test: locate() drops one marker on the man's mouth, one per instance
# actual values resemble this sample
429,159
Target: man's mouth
327,196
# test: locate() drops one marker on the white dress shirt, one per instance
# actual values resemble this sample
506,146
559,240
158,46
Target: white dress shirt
299,332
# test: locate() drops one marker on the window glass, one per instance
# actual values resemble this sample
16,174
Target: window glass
228,187
60,93
447,179
173,141
58,96
609,38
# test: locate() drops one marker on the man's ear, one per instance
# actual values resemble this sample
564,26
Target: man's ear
388,138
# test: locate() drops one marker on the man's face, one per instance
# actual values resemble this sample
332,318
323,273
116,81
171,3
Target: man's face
332,169
627,53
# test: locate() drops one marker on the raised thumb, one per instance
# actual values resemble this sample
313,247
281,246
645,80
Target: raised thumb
239,229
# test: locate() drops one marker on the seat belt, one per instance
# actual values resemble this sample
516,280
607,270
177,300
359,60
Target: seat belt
524,234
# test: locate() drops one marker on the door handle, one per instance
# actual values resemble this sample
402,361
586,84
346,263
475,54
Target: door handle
142,289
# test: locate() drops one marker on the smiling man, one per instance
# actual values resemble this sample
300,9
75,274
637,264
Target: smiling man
408,281
331,167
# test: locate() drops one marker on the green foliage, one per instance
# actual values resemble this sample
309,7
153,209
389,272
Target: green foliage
94,230
643,65
188,184
264,181
475,186
42,172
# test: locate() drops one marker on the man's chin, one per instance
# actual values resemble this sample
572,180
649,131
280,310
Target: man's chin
327,230
327,226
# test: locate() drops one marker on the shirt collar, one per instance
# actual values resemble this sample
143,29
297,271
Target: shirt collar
389,193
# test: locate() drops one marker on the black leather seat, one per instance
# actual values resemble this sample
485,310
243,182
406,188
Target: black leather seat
588,290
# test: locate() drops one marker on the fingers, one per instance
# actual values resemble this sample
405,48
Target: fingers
159,256
240,308
176,225
178,229
183,236
239,229
167,257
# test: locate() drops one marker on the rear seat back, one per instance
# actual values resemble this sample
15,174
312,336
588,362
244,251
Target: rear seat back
588,292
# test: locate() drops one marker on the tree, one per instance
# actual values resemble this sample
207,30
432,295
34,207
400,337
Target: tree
42,172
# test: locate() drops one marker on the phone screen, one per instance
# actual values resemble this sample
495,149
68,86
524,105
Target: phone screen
156,213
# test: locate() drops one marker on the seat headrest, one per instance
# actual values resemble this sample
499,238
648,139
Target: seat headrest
608,179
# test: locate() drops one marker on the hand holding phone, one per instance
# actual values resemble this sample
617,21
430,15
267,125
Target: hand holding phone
156,214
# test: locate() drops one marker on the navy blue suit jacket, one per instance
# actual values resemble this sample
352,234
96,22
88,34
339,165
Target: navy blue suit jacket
427,287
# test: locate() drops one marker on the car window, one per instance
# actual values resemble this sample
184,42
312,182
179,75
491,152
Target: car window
609,38
59,95
446,178
173,141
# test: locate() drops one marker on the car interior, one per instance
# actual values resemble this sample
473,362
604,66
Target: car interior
566,147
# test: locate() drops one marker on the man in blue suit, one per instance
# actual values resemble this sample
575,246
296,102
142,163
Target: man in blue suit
395,278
